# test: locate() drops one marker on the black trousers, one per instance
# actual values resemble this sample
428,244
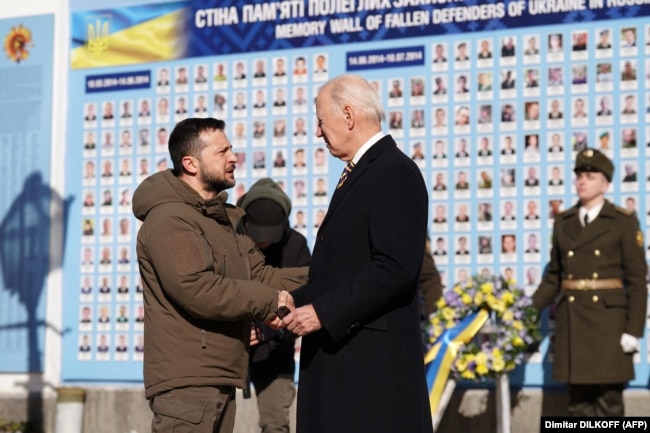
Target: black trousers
596,400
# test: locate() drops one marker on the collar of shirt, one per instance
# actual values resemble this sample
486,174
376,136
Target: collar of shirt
367,145
593,212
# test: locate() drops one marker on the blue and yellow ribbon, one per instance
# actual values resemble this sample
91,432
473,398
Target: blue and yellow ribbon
442,355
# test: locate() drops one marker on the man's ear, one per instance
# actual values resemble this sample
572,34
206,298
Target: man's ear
190,164
350,117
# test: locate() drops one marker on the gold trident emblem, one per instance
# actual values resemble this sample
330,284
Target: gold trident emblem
97,40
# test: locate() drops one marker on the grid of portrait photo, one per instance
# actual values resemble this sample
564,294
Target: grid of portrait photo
267,104
493,119
495,122
506,117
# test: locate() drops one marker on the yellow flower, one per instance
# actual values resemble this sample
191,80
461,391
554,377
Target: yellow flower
458,289
435,320
440,303
467,356
510,365
498,364
481,358
518,325
478,298
437,331
466,299
487,288
496,353
467,374
448,314
517,341
508,315
496,304
461,364
508,298
482,369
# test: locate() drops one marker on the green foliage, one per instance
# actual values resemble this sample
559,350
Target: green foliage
16,427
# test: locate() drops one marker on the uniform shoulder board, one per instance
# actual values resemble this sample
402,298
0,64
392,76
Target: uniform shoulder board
564,212
623,211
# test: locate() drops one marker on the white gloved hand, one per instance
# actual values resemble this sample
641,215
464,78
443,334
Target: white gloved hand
629,343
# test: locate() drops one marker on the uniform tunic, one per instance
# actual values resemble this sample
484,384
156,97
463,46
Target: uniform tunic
589,323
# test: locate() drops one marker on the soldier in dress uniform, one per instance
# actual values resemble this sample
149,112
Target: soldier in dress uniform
597,278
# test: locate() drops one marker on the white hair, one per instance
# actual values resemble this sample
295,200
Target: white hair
356,91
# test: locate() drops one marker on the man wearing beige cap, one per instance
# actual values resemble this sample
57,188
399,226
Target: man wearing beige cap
597,278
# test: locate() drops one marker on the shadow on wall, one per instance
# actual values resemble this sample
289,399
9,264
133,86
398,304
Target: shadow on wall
26,259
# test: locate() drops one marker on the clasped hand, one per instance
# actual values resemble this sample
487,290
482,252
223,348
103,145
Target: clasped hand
301,321
284,300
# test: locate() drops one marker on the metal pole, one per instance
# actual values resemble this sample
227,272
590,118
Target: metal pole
503,404
70,410
444,402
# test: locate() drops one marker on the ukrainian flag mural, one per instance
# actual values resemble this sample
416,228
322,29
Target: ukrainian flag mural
129,36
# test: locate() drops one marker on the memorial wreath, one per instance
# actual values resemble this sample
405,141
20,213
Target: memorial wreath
510,326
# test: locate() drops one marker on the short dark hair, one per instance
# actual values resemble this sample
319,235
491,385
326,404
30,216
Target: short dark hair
185,139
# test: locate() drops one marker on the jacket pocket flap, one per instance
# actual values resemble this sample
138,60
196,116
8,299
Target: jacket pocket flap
190,412
615,299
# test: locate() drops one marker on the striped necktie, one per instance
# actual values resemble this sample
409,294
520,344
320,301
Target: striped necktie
346,171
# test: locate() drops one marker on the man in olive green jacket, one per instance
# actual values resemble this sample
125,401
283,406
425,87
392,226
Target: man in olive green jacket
203,284
597,277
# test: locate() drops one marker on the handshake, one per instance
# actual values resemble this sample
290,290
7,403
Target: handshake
258,333
285,306
301,321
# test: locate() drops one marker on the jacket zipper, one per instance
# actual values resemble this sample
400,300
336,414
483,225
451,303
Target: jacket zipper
203,345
